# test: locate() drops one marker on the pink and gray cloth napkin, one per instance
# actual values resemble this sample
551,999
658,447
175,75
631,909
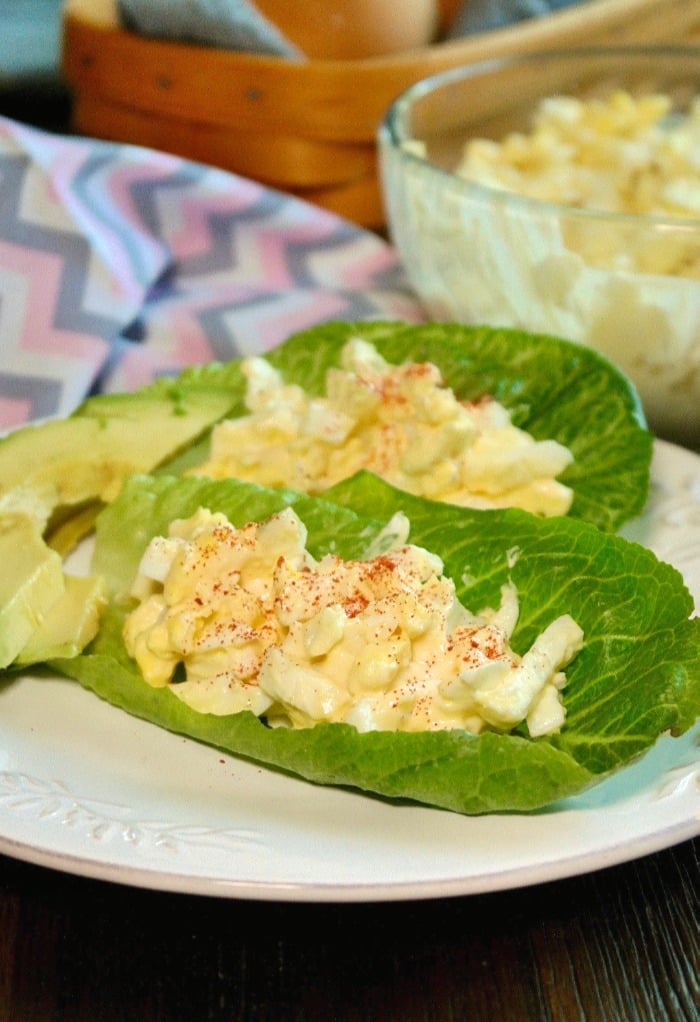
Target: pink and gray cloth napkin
119,264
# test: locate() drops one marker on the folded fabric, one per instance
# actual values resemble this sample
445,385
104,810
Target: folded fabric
485,15
250,266
75,264
239,25
230,24
118,264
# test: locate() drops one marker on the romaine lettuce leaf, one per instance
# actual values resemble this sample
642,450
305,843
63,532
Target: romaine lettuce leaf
637,677
553,389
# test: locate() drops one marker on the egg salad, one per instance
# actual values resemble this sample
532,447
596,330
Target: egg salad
246,618
622,153
399,421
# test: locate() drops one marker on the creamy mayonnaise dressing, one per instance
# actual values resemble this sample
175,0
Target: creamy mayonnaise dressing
399,421
245,618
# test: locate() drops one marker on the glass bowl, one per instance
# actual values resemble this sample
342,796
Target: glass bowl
624,280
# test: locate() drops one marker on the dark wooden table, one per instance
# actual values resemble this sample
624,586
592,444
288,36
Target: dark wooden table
617,945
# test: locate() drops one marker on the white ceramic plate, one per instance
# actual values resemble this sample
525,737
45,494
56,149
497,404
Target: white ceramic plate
86,789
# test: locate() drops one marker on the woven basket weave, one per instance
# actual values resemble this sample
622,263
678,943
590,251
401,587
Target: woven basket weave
305,127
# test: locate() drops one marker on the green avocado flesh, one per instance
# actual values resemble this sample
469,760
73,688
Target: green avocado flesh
31,581
88,455
54,478
70,623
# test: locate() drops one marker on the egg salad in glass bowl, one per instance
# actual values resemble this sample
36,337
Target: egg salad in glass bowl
559,193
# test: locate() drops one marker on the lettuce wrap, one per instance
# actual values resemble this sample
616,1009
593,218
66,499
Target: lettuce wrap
637,677
552,388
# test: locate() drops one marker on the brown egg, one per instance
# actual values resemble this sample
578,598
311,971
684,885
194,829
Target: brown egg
353,29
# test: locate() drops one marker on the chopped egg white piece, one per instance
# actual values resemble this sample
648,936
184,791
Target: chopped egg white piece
245,618
398,421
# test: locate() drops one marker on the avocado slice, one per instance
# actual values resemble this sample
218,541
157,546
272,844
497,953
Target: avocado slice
88,455
31,581
71,523
55,477
70,623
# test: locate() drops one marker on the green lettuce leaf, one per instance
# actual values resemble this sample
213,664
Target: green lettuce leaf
554,389
637,677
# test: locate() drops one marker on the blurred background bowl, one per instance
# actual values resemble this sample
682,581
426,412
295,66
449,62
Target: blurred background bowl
307,127
626,284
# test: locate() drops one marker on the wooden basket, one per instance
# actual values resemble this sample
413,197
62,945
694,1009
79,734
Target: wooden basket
305,127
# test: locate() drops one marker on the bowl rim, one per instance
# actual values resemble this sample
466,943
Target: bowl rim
391,140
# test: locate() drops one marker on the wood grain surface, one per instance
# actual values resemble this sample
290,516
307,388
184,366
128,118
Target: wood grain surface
617,945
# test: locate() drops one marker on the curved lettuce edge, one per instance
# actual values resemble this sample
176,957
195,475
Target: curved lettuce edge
553,388
636,678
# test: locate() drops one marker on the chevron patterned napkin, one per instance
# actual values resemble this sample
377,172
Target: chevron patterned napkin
118,264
